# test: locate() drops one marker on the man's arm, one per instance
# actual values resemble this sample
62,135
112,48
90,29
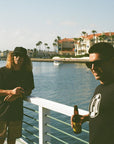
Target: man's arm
15,91
84,118
11,95
5,92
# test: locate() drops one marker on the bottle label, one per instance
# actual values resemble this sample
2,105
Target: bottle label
77,127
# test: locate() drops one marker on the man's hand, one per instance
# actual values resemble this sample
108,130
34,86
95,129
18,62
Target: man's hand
11,98
83,118
17,91
80,122
14,94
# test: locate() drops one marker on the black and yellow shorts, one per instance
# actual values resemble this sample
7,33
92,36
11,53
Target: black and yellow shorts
10,130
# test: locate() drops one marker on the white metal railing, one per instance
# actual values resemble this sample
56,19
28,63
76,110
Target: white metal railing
45,106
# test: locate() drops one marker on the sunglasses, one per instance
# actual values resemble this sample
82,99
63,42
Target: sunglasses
18,54
97,63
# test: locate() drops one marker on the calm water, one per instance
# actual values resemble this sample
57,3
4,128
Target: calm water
68,83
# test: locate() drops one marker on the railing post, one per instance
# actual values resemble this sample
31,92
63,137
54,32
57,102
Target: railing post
43,129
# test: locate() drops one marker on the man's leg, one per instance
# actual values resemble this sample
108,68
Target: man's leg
11,141
3,129
14,131
2,141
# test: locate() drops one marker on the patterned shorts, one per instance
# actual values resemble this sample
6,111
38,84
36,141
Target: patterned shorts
11,130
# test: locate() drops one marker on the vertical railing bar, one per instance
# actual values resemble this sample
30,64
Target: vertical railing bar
43,120
40,125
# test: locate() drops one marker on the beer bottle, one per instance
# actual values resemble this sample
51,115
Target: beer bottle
76,121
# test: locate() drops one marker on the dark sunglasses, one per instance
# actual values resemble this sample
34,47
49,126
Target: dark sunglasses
18,54
97,63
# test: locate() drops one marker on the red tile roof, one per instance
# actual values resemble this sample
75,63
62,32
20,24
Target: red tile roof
98,34
86,37
66,39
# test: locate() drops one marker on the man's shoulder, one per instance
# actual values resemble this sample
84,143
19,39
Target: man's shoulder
107,88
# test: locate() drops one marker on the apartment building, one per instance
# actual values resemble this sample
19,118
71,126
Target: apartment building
81,45
66,46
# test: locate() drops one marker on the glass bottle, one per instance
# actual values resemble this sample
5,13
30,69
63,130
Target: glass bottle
76,121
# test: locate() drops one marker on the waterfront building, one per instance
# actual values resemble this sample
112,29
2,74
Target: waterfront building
81,45
66,46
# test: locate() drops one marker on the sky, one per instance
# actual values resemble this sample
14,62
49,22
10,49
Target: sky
26,22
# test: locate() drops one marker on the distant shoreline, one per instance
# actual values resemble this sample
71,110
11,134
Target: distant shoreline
67,60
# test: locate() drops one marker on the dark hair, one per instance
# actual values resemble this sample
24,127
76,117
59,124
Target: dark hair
27,65
106,50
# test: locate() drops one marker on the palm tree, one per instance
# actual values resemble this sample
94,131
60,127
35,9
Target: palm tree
84,33
100,38
56,41
94,32
75,44
35,52
84,36
55,46
75,40
58,37
80,43
103,36
48,48
39,44
45,44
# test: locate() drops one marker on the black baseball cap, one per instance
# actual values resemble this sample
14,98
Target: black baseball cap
20,51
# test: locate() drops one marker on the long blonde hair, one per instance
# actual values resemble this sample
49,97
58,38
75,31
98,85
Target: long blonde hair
27,64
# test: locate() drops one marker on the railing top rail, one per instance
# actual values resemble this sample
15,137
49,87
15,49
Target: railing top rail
54,106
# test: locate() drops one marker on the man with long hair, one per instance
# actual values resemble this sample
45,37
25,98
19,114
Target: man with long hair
101,108
16,82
